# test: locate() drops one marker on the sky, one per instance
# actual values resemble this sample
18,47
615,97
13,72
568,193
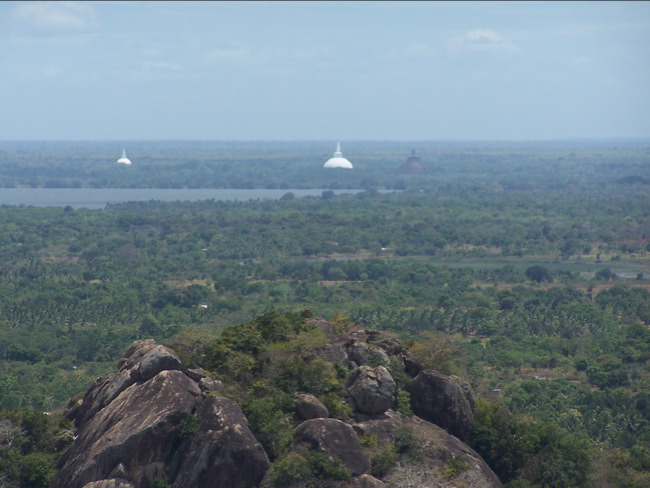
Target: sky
379,71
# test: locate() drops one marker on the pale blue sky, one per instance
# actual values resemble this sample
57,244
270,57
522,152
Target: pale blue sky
324,70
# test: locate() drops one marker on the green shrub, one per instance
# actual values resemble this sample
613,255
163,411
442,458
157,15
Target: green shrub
269,422
290,470
189,425
160,483
405,440
336,407
454,467
305,466
36,470
382,459
326,467
403,401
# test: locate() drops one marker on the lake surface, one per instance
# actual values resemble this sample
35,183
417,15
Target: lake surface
94,198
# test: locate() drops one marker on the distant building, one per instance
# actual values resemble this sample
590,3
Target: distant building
411,166
124,159
338,161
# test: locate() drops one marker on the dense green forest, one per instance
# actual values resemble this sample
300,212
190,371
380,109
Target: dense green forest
523,269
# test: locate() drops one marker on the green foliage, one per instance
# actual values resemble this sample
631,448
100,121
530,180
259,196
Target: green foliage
538,273
403,402
289,470
309,375
455,466
160,483
518,446
189,425
461,259
336,406
307,467
405,440
36,470
383,458
434,351
385,455
269,422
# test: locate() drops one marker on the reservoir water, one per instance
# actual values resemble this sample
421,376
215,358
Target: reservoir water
94,198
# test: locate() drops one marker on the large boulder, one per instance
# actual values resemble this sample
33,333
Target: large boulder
112,483
137,430
334,438
141,361
434,449
151,420
135,353
222,451
372,390
444,400
363,353
309,407
365,481
158,359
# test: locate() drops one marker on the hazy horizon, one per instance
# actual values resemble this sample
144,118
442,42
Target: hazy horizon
324,71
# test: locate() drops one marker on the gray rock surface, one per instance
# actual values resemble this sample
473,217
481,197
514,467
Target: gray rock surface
365,354
158,359
222,452
372,390
112,483
365,481
135,425
309,407
444,400
334,438
105,389
153,419
434,448
138,429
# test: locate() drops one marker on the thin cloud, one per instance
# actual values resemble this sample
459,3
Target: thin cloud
48,18
483,40
229,54
418,50
162,65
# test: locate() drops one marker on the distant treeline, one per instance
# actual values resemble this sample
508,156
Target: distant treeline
204,164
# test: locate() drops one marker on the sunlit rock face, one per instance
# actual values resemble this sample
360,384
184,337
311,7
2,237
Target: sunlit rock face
444,400
156,420
152,420
372,390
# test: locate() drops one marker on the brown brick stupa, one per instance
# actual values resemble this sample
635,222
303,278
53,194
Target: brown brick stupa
411,166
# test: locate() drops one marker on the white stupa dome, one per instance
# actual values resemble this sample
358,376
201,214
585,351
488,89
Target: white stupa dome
338,161
124,159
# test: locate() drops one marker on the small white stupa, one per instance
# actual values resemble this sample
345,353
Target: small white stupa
338,161
124,159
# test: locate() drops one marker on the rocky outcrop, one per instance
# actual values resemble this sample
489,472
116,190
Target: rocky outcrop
154,423
222,452
434,449
157,359
372,390
136,424
365,481
138,429
362,353
309,407
114,483
334,438
444,400
141,361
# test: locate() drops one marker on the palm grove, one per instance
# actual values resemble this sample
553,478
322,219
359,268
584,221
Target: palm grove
537,296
